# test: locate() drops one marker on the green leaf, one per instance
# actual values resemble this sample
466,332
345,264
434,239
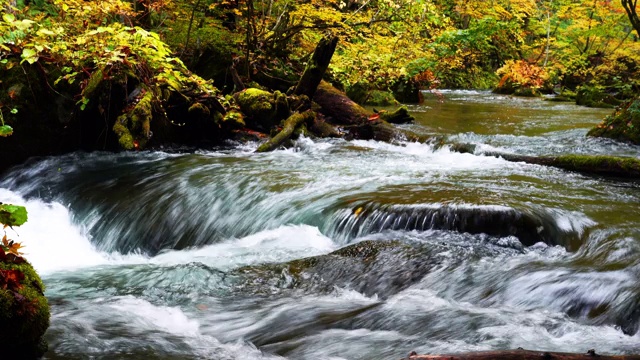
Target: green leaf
12,215
8,18
14,111
6,130
45,31
29,55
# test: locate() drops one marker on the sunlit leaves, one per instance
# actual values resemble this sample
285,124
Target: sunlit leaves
29,55
6,130
12,215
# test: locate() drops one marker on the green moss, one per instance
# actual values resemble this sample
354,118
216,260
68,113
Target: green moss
233,120
23,322
622,125
357,92
262,108
400,116
94,82
380,98
600,164
256,102
526,92
134,126
199,109
406,90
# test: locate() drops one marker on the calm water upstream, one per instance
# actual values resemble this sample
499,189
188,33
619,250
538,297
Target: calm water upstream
234,255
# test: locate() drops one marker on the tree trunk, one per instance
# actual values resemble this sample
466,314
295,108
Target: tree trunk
523,355
316,67
337,107
360,122
290,125
630,8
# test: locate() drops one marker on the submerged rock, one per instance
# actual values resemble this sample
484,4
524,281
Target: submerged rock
370,267
530,227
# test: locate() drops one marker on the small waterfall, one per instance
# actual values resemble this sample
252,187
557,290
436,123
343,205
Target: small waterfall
528,225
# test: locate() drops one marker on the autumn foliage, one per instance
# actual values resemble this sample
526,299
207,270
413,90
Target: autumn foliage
521,78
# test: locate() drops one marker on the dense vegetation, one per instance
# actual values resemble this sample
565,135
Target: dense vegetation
152,72
24,311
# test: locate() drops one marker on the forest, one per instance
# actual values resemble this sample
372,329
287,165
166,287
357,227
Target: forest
185,76
145,73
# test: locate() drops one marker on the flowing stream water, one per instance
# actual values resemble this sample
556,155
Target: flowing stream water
340,250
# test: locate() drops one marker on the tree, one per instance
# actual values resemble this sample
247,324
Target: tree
630,8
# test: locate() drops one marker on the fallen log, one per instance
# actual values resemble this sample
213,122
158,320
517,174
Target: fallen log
337,107
290,125
623,167
522,355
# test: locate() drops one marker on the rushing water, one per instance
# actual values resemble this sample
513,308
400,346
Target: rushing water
185,256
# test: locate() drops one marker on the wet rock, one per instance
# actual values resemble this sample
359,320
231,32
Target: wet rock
370,267
528,226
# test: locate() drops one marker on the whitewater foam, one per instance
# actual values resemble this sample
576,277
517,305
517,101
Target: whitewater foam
52,241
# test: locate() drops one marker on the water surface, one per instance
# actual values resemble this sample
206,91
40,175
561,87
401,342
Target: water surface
179,256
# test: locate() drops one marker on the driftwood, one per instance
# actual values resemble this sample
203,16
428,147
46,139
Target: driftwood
316,67
289,127
589,164
523,355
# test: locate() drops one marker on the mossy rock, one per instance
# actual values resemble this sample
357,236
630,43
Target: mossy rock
24,315
509,88
595,97
133,128
622,125
406,91
263,109
527,92
380,98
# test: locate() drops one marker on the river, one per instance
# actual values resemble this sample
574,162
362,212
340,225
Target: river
224,254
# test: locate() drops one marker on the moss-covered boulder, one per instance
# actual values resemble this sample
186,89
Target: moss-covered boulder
263,109
595,96
24,311
380,98
622,125
406,90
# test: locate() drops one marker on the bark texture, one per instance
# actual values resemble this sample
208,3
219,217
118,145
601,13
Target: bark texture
316,67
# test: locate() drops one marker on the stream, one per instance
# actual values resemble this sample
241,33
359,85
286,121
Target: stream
340,249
